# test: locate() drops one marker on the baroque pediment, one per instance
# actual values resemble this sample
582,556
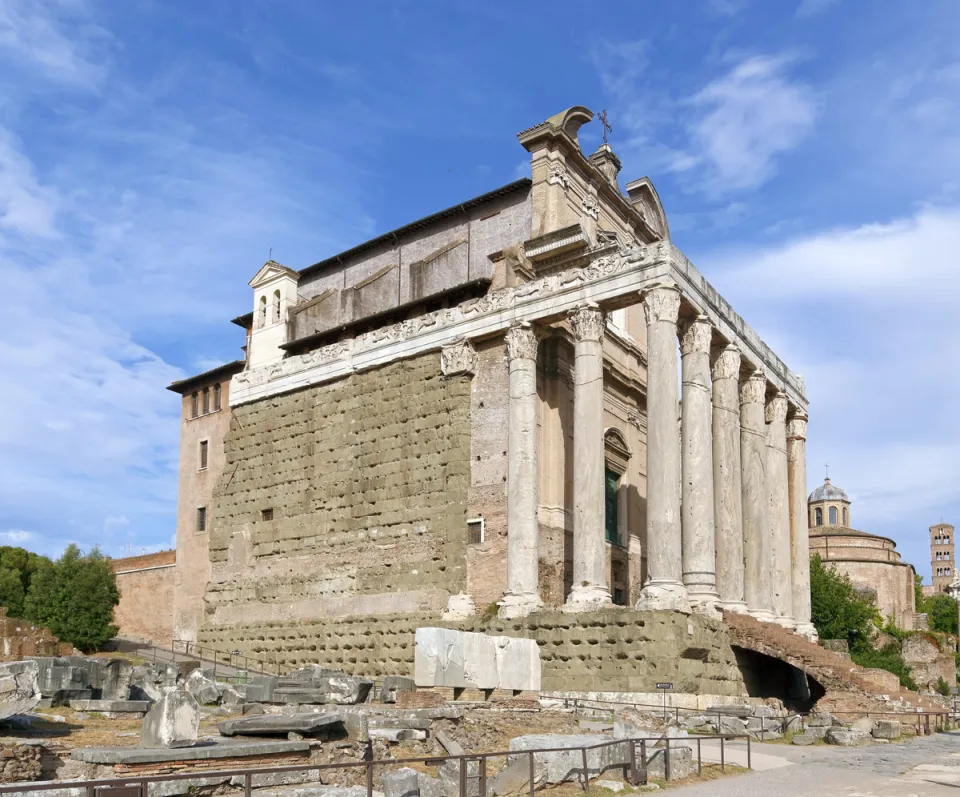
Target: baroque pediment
269,271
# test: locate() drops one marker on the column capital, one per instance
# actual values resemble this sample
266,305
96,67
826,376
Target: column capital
797,427
587,321
776,411
726,365
522,342
458,358
661,303
696,336
753,389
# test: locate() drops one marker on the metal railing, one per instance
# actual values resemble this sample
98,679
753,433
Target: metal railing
234,660
921,720
634,768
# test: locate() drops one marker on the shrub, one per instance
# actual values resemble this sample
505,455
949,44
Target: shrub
943,687
888,659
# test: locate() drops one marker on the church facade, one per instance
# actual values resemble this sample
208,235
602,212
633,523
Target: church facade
480,413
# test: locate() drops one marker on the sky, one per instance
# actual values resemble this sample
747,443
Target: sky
153,154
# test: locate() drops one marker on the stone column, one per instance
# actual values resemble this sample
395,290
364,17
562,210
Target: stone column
727,497
757,548
699,552
799,518
778,510
590,589
664,588
522,596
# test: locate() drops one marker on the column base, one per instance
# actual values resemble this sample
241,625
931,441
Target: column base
763,615
459,607
514,606
587,598
659,596
808,631
705,603
737,607
786,621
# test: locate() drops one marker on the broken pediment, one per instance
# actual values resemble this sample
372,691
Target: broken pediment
645,201
269,271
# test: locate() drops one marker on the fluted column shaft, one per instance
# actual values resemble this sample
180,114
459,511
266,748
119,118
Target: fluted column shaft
696,455
590,588
664,588
522,596
799,530
758,586
778,512
728,500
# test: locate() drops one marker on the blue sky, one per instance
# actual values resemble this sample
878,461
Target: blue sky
152,153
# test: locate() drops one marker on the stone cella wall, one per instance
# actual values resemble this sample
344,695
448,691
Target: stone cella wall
343,499
610,651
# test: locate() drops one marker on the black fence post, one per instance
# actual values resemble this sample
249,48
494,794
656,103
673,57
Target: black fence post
586,772
723,764
483,776
463,777
748,753
634,775
699,759
532,774
666,759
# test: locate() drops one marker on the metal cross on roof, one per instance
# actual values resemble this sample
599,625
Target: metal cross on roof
827,466
602,116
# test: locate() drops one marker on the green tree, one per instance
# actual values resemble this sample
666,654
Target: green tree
838,610
75,597
941,611
11,592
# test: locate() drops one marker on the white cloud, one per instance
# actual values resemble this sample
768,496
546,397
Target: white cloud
867,315
16,536
723,137
34,38
747,118
26,207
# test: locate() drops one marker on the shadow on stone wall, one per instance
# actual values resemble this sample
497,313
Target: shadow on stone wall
766,676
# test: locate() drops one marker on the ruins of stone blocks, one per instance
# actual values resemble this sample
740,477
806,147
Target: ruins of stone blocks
445,657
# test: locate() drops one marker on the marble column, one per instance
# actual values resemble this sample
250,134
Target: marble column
699,552
757,548
799,531
778,510
590,588
727,497
664,588
522,596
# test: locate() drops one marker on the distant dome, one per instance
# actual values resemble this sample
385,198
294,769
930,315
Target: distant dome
827,492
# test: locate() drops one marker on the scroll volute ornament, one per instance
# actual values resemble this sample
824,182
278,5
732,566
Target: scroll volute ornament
458,358
727,364
696,337
776,411
662,303
797,427
753,389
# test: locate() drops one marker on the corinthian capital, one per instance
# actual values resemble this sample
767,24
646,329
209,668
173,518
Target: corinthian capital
458,358
587,322
797,426
727,364
521,342
776,411
753,389
696,336
662,303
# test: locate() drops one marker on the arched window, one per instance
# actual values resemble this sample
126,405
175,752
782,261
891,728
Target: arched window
276,305
216,396
846,517
263,311
818,517
833,515
206,400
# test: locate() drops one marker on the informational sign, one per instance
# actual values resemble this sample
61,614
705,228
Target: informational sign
665,685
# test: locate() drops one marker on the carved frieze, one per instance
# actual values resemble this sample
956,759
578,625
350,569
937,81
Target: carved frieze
458,358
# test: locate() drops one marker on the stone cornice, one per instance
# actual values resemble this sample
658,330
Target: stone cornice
630,269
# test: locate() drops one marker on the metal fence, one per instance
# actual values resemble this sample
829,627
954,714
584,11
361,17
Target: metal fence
640,752
925,722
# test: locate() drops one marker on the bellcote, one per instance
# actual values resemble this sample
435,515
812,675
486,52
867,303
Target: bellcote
274,293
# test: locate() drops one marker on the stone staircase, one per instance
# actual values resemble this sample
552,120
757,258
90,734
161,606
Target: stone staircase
845,683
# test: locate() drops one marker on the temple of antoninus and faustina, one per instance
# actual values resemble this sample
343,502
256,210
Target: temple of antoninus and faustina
530,405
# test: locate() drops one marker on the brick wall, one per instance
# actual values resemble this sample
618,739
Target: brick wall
146,584
343,499
19,638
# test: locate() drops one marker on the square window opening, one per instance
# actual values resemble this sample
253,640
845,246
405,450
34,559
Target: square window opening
475,531
266,514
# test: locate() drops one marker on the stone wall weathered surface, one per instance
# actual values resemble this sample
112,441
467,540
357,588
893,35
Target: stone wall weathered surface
343,499
612,651
146,585
20,638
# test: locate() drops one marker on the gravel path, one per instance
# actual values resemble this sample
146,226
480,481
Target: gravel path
923,767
